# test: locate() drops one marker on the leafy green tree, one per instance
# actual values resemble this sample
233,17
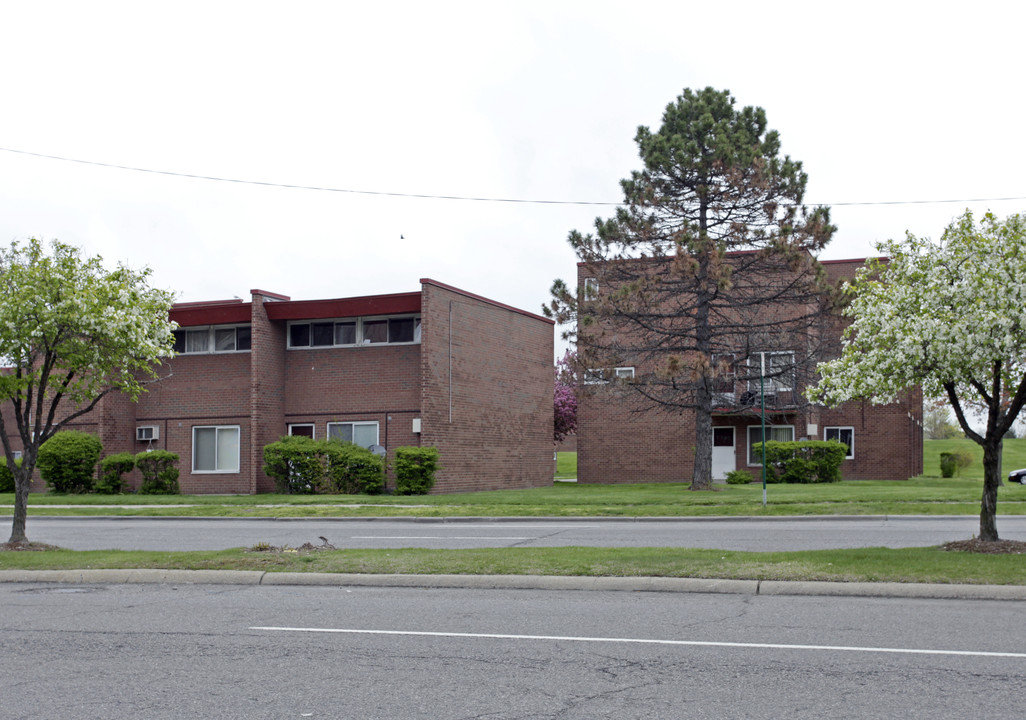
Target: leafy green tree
937,423
71,332
708,262
949,316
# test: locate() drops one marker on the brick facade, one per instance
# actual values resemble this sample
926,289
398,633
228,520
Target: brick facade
620,441
479,384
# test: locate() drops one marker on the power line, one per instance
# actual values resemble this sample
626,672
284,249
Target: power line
448,197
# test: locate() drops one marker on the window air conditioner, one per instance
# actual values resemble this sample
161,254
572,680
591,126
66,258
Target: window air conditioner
147,432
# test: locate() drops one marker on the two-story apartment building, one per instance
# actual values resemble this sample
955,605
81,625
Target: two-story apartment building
623,438
436,367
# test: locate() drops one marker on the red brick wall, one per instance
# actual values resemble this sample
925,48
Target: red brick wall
487,392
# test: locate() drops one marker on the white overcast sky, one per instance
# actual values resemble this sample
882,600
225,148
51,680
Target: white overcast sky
881,101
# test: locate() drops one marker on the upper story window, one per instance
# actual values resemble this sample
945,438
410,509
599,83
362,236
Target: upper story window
601,376
355,331
590,290
236,338
779,371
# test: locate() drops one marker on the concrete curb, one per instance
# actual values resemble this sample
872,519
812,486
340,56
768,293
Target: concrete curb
521,582
514,518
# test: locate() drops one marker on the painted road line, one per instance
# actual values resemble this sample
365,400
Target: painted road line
648,641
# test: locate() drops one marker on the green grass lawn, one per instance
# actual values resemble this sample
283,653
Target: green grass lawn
566,465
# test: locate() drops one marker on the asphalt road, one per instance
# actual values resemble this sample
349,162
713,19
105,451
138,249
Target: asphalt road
166,651
79,533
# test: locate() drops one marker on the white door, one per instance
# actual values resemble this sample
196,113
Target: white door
723,458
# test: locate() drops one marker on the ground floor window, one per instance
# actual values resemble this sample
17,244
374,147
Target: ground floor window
302,429
363,434
777,433
215,449
845,435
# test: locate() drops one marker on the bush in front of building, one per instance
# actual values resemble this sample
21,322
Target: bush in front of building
803,461
351,469
415,469
739,477
295,463
67,461
159,472
6,476
113,468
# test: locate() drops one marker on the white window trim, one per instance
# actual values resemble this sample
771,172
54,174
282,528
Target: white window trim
211,331
354,423
312,426
238,460
359,331
603,376
749,443
851,445
589,289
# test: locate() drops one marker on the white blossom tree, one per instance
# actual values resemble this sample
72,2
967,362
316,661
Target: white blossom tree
71,332
951,317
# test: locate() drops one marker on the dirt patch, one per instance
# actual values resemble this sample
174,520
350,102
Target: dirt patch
26,546
994,547
305,547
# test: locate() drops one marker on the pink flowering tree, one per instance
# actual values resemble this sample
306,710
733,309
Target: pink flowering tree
565,400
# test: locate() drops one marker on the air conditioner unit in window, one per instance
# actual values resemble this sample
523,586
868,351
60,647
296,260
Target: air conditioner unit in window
147,432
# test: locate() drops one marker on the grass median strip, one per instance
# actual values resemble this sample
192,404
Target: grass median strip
910,565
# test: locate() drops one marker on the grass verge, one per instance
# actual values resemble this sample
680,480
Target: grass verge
907,565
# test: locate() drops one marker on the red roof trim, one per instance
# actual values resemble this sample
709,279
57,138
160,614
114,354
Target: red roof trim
450,288
397,304
218,312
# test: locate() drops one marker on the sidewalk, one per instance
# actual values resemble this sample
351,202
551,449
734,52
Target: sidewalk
521,582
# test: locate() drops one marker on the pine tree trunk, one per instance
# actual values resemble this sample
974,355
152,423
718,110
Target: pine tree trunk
701,478
991,480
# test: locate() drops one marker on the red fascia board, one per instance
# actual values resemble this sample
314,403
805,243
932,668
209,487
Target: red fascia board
397,304
450,288
211,313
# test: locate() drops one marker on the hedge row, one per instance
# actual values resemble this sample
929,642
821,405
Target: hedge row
803,461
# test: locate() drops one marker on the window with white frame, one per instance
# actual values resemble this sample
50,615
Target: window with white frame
590,289
361,433
779,371
302,429
236,338
723,373
844,435
601,376
355,331
215,448
774,433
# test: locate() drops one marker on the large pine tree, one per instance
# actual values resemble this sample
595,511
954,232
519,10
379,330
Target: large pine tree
709,262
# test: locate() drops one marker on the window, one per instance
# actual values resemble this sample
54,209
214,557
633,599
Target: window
363,434
774,433
302,429
590,290
215,449
779,371
213,339
17,454
723,373
601,376
357,331
845,435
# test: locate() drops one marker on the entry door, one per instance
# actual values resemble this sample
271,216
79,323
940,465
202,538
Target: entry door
723,457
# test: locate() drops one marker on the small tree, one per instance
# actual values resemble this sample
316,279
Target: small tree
67,461
71,332
565,396
937,423
951,317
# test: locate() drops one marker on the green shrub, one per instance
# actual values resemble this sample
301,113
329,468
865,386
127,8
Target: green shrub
112,468
803,461
6,476
67,461
160,476
351,469
296,463
952,463
415,470
739,477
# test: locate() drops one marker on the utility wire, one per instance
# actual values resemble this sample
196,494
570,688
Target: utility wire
446,197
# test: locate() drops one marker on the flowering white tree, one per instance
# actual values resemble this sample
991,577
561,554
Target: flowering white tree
950,316
71,332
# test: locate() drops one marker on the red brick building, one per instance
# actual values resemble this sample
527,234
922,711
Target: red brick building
622,440
438,367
